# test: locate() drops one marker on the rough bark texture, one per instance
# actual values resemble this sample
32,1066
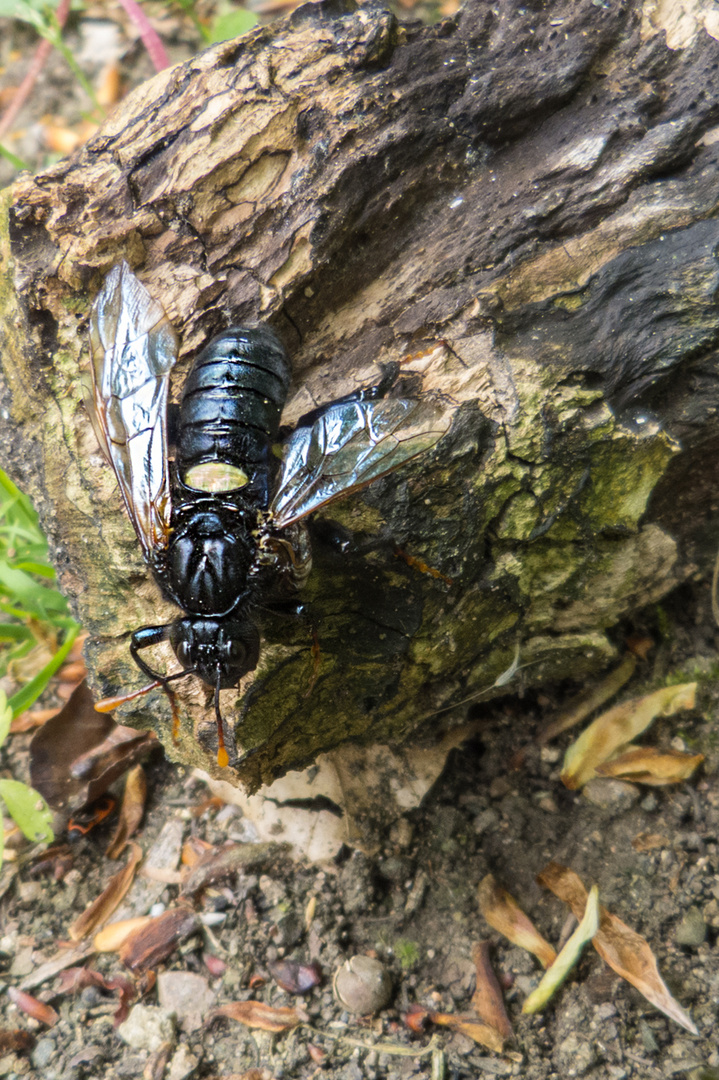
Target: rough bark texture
523,201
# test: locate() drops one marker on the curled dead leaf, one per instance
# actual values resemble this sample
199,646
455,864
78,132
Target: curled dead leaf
567,958
617,727
100,910
487,1000
256,1014
504,914
626,951
31,1006
112,936
131,811
647,765
160,936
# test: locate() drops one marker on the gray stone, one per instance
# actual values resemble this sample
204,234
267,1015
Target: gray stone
148,1028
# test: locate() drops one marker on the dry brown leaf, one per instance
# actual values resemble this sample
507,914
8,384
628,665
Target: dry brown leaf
617,727
256,1014
223,863
153,942
471,1027
79,753
647,765
503,913
113,936
487,1000
38,1010
131,811
626,951
100,910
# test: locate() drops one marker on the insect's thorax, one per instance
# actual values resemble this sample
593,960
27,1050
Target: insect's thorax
208,563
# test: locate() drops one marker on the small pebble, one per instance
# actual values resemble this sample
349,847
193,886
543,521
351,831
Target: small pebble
362,985
182,1065
43,1053
692,930
147,1028
187,996
616,796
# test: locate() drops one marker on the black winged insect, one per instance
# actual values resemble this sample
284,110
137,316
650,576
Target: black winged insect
222,525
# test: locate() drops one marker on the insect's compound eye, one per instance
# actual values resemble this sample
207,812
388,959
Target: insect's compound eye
236,651
183,652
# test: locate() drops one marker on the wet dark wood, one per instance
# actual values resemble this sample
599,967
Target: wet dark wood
519,203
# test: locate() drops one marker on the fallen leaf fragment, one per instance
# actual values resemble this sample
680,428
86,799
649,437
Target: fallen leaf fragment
646,841
17,1041
103,906
487,1000
617,727
626,951
131,811
154,942
256,1014
471,1027
417,1016
568,956
503,914
74,980
79,753
38,1010
294,977
112,937
647,765
220,864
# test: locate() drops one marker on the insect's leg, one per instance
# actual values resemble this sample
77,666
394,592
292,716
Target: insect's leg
143,639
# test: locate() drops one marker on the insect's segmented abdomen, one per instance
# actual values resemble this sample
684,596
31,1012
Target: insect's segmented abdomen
230,412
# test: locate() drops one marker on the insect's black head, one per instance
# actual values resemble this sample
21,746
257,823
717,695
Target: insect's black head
227,648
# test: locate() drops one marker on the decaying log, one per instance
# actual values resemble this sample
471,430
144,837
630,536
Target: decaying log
520,204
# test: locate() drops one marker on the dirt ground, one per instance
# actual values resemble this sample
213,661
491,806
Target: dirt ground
498,807
413,906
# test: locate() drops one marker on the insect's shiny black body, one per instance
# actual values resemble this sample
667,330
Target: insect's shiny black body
229,414
222,525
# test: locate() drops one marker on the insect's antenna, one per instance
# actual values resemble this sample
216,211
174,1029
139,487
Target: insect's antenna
223,758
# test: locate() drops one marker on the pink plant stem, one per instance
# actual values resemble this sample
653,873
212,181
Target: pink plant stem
150,37
42,51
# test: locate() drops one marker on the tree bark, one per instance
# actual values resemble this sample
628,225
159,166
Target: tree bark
519,204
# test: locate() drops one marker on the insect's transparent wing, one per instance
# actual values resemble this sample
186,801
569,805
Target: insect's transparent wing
133,351
350,445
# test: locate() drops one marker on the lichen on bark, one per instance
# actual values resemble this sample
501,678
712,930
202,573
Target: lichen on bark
518,205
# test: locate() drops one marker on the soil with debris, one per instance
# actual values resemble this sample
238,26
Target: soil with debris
499,807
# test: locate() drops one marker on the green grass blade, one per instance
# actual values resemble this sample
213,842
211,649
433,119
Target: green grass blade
28,694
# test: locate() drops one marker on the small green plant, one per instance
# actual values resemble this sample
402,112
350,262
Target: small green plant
407,953
25,806
229,21
32,611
